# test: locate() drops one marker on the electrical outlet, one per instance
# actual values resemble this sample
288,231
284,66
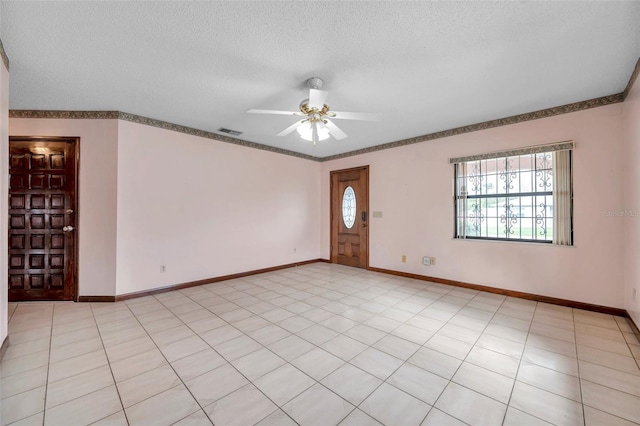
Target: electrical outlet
426,260
404,258
433,261
163,269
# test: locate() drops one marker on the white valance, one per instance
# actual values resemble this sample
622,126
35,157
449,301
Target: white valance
559,146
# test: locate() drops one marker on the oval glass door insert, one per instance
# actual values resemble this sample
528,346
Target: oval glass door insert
349,207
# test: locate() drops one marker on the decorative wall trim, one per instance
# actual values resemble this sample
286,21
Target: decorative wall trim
632,80
5,58
173,287
79,115
510,293
209,135
101,115
543,113
3,347
560,146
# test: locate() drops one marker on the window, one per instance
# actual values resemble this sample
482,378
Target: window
519,195
349,207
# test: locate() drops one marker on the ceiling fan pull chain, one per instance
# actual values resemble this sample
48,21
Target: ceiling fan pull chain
315,132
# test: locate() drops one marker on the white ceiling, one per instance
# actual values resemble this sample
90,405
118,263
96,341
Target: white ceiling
425,66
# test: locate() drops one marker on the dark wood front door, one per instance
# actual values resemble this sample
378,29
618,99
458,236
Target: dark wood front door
350,217
42,218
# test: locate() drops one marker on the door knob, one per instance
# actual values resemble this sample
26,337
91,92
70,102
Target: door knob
69,211
68,228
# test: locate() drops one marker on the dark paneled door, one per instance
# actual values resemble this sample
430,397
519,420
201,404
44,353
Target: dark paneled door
42,213
349,217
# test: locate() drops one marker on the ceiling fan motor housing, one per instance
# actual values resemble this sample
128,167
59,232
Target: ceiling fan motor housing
315,83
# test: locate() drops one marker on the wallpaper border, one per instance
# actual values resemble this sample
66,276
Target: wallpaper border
520,118
632,80
101,115
543,113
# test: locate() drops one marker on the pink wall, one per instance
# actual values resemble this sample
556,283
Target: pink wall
4,208
205,208
412,186
97,195
631,182
151,197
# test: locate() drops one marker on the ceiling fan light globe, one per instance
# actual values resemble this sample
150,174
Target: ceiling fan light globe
306,132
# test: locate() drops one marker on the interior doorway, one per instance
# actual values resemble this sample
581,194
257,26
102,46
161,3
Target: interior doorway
43,182
350,217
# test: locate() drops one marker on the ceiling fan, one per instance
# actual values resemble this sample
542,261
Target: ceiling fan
316,124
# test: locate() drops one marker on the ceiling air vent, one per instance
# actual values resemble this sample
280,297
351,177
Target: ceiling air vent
229,131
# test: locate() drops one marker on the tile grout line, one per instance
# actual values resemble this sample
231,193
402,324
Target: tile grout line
605,366
575,336
318,382
628,344
265,347
422,346
387,333
434,333
77,374
229,362
403,361
515,378
11,316
291,334
115,384
244,307
277,324
168,363
581,380
46,389
463,361
357,407
298,284
561,372
222,356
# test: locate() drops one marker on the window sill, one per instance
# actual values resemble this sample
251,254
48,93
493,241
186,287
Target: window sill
481,240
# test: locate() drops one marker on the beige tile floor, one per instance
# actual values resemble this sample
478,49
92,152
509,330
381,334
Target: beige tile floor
318,344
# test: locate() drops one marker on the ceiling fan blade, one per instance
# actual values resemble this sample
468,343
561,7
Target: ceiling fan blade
335,131
291,128
317,98
273,111
341,115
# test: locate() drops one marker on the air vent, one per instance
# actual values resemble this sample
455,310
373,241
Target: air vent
229,131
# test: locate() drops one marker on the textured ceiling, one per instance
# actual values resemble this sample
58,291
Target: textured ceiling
425,66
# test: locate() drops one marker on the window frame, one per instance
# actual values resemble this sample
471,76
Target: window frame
505,155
